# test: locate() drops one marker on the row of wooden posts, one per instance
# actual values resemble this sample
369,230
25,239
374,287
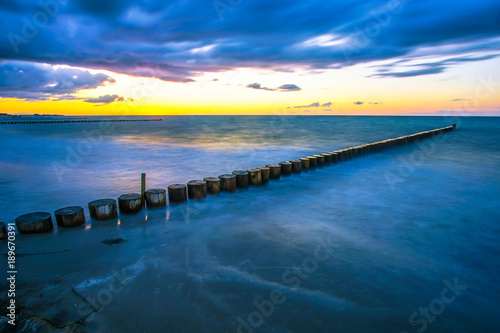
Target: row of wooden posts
132,203
17,122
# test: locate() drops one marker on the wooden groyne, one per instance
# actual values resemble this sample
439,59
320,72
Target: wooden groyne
20,122
132,203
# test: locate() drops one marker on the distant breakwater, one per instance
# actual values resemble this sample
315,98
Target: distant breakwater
132,203
16,122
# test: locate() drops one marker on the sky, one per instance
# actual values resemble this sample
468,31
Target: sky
210,57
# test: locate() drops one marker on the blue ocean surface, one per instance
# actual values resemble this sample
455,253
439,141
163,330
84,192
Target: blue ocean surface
403,240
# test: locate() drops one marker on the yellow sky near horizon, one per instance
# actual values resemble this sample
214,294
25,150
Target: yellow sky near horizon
227,93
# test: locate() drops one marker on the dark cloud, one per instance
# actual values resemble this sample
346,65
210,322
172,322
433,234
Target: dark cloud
359,103
312,105
328,104
176,41
106,99
285,87
426,68
415,72
33,81
258,86
289,87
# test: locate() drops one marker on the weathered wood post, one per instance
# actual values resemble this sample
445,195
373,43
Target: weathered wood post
327,158
265,173
286,168
337,156
241,178
130,203
103,209
197,189
156,197
34,223
177,193
228,183
320,159
70,216
143,187
313,161
296,166
213,185
254,176
275,171
3,230
304,164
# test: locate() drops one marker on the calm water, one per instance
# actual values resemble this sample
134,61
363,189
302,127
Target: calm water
368,245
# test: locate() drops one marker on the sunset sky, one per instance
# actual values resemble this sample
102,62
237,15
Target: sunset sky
142,57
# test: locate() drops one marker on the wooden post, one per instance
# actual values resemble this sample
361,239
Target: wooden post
313,161
197,189
255,176
103,209
340,155
241,178
143,184
228,183
296,166
34,223
327,158
304,164
130,203
213,185
177,193
156,197
275,171
286,168
265,173
70,217
320,160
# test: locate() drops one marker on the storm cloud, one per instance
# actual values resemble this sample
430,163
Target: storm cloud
32,81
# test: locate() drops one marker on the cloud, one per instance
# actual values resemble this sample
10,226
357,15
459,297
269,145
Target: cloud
358,103
426,68
312,105
410,73
258,86
285,87
33,81
105,99
289,87
459,99
189,38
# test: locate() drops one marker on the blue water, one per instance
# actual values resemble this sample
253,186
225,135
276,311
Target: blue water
367,245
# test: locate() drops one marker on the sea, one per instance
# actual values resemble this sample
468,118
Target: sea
402,240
